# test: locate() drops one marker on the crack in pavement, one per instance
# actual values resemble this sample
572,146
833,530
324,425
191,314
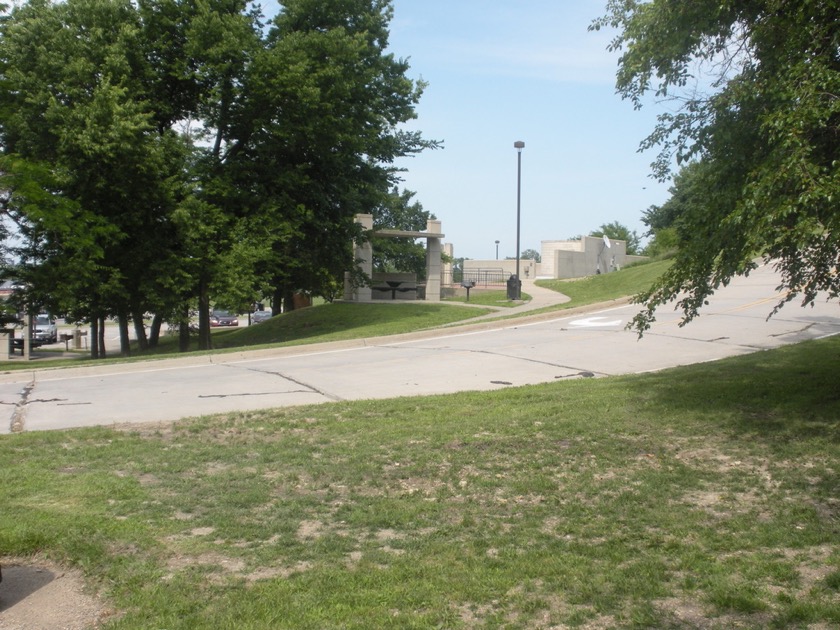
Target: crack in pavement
739,344
506,356
584,374
294,391
307,388
19,415
799,331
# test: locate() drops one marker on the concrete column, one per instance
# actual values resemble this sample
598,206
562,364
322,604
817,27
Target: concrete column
348,288
433,266
364,253
5,343
449,251
27,336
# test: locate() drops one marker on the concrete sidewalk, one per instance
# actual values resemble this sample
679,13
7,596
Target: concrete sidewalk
540,298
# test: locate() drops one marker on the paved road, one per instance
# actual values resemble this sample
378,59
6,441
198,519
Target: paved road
484,356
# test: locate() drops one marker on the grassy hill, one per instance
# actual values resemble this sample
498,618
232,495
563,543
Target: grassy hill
341,320
697,497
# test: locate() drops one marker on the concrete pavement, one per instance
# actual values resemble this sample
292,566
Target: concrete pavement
482,355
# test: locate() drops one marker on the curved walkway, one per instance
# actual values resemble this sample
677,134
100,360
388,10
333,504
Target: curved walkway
540,298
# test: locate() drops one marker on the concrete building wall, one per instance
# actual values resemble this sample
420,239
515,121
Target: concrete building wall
568,264
547,255
527,268
588,256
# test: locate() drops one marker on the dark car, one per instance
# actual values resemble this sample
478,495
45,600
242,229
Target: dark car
260,316
223,318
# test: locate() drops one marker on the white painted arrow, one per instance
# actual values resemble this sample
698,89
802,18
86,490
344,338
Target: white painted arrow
592,322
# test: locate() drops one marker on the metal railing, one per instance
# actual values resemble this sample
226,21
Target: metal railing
481,277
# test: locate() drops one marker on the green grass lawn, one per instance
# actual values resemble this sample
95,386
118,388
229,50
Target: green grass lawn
699,497
341,321
609,286
490,297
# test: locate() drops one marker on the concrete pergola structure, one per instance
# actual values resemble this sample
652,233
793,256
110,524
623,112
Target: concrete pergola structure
364,253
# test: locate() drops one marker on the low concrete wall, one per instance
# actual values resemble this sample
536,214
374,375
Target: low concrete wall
527,268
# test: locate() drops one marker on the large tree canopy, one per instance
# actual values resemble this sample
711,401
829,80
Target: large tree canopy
156,154
756,86
75,111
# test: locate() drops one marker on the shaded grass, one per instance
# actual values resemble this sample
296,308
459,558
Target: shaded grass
699,497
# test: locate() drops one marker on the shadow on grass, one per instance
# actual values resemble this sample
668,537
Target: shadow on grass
788,394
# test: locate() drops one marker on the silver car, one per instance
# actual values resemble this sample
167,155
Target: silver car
44,329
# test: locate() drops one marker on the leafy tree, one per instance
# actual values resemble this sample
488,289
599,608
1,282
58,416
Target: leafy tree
73,99
684,191
530,254
688,196
756,86
399,212
328,104
223,40
664,243
298,126
619,232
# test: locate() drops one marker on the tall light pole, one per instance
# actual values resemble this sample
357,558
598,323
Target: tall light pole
518,145
497,250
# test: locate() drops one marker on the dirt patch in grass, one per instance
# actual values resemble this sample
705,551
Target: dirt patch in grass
37,594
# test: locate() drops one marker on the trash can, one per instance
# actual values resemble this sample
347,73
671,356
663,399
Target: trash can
514,288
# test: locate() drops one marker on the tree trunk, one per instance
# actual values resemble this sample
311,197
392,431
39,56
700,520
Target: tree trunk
277,299
125,342
94,338
102,353
288,301
283,299
204,340
139,329
154,331
184,330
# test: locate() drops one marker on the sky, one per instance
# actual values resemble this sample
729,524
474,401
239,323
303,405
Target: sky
503,71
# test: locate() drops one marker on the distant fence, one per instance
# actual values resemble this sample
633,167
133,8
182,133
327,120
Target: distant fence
481,277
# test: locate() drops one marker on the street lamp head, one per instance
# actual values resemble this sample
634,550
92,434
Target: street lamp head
519,145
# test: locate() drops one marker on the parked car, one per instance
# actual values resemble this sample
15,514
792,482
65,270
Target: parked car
260,316
44,329
223,318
